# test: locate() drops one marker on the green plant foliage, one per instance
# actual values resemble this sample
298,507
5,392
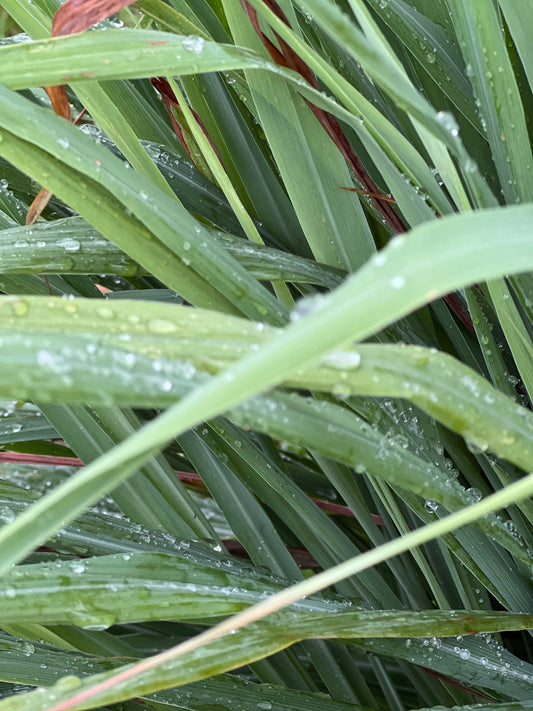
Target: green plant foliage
271,334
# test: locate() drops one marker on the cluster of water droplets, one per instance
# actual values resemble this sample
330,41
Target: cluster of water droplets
112,23
20,38
14,209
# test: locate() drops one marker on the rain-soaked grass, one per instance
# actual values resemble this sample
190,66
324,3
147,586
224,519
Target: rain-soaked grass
265,355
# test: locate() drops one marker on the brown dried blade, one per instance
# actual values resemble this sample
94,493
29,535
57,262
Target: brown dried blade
35,209
38,205
59,100
80,15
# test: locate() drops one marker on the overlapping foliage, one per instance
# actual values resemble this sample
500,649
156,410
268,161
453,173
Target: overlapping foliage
286,319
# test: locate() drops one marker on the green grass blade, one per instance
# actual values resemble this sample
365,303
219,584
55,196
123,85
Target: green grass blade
146,582
72,246
514,329
180,240
519,22
352,434
478,258
244,160
48,662
27,15
92,56
154,496
434,50
485,665
152,50
382,66
378,135
492,76
312,178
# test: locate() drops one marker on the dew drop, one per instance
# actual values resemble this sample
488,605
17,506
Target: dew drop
342,360
380,259
77,567
159,325
397,282
45,358
474,494
20,307
69,244
193,44
27,649
105,312
67,682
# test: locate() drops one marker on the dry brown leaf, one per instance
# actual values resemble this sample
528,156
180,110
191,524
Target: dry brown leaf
38,205
59,100
80,15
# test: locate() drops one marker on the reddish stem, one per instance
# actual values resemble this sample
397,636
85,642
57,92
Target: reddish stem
190,478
